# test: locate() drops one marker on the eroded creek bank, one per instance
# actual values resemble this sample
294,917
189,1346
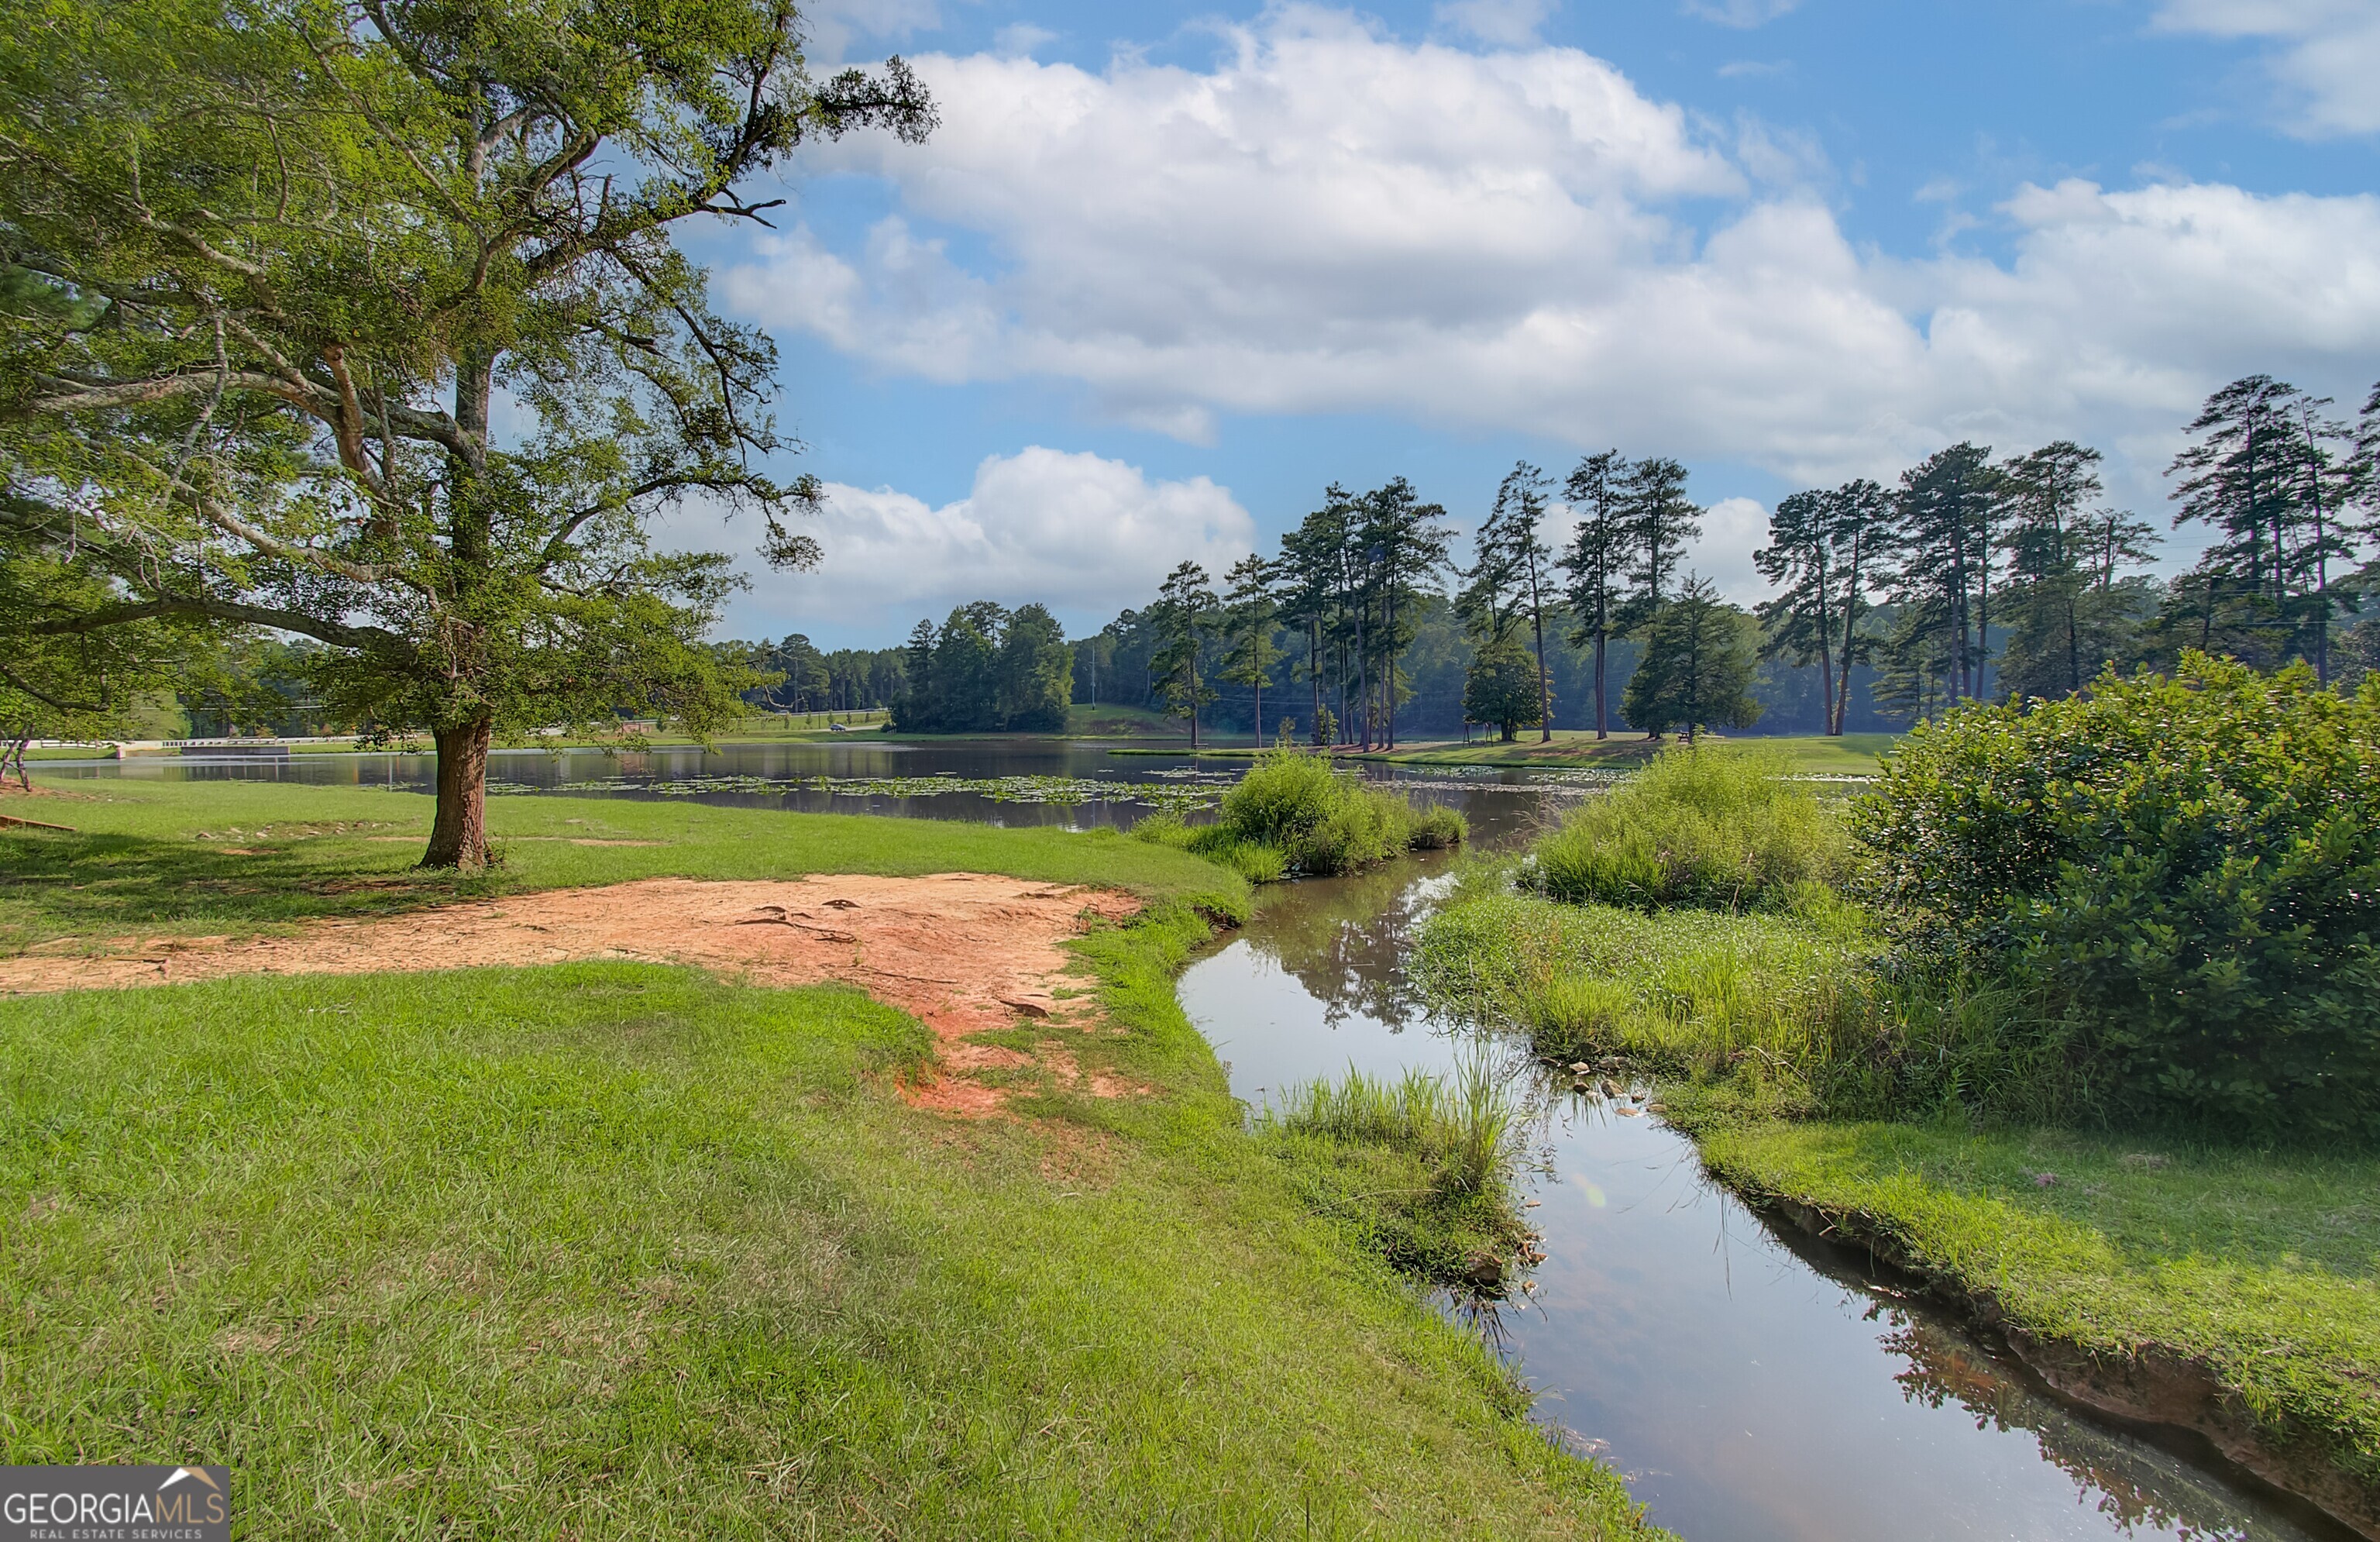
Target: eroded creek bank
1755,1380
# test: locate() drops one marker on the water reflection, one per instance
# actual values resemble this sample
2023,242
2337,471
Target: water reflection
1752,1385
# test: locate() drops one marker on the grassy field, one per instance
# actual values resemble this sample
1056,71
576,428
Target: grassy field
609,1249
206,857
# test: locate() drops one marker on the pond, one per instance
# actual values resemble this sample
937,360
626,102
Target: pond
1071,783
1754,1385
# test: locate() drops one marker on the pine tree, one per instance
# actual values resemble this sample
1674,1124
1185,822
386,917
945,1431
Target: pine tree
2265,470
1945,513
2067,620
1184,614
1314,566
1797,623
1596,560
1034,673
1861,523
1402,546
1660,520
1510,577
1697,668
1250,617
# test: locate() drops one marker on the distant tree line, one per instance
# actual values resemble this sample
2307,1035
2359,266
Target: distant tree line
1969,579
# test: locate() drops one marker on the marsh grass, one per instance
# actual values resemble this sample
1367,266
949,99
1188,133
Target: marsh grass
1787,1011
1295,813
1422,1167
1718,826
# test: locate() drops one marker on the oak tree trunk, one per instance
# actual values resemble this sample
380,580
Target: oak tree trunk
459,834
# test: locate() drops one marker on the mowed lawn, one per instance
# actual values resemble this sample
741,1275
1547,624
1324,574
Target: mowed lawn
233,858
626,1250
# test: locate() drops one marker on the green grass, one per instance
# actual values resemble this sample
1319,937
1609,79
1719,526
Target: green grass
1687,992
163,856
2264,1267
625,1250
1718,826
1420,1169
1299,812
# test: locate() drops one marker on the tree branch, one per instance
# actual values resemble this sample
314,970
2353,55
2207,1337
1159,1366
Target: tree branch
334,633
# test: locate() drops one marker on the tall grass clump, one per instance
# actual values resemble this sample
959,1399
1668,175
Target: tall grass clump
1801,1012
1423,1165
1296,813
1713,826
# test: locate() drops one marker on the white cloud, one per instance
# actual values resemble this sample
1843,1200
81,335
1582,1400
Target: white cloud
2326,58
1733,529
1329,220
1084,535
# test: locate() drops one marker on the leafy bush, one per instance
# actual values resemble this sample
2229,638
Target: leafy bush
1713,826
2184,868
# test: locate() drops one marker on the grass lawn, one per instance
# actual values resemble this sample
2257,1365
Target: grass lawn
612,1249
2262,1267
229,857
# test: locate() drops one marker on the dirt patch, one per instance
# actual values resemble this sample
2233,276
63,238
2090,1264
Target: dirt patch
967,952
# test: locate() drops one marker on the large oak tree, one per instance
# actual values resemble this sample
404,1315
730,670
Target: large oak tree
365,322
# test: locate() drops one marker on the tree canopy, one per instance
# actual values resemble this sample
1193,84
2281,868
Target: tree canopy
365,322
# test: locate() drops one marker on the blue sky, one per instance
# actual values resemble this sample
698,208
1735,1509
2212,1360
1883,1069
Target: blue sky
1167,270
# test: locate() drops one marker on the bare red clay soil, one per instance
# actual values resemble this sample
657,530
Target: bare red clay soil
964,952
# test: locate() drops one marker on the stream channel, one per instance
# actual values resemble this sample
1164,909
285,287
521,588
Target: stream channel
1754,1386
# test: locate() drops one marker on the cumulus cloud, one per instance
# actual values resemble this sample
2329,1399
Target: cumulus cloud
2325,54
1084,535
1328,219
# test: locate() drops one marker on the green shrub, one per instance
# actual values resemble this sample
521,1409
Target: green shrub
2184,868
1712,827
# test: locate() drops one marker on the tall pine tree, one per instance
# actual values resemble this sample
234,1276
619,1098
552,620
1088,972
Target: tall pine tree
1595,562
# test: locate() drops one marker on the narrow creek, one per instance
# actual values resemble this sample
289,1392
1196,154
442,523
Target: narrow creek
1753,1386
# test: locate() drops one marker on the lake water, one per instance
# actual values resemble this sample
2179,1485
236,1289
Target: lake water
1755,1386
